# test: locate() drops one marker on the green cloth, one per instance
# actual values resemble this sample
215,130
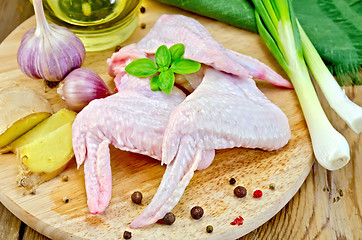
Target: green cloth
334,27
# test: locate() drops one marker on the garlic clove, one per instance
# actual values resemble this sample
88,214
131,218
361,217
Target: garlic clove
80,87
49,51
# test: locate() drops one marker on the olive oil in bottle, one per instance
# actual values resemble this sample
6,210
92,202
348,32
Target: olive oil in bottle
100,24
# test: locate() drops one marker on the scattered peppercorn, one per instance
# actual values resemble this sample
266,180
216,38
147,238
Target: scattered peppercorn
209,229
272,186
65,199
340,192
334,199
239,221
197,212
257,193
337,198
169,218
142,9
136,197
65,178
118,47
232,181
143,25
127,235
33,191
240,191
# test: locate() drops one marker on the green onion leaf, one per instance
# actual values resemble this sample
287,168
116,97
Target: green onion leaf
163,56
154,83
143,67
166,80
269,41
177,51
269,18
185,66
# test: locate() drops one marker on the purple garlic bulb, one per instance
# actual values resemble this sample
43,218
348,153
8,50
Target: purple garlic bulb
49,51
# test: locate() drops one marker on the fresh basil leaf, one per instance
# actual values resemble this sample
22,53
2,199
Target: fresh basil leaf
177,51
166,81
154,83
162,69
143,67
185,66
163,56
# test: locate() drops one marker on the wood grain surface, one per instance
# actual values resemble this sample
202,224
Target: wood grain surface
13,12
317,211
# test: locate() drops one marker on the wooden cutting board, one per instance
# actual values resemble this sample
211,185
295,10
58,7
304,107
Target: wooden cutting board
210,188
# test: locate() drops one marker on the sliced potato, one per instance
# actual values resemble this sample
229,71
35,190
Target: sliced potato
50,124
45,157
21,109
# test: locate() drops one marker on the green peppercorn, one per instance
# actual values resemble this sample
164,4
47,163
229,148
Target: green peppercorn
65,178
240,191
127,235
136,197
169,218
209,229
197,212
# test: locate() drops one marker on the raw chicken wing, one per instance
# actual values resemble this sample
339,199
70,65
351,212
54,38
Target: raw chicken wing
223,112
134,119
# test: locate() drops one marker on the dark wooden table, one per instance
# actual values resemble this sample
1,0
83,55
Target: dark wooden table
327,206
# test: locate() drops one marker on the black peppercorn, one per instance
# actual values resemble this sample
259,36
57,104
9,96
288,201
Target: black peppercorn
143,25
65,199
232,181
272,186
142,9
118,47
127,235
169,218
240,191
197,212
209,229
136,197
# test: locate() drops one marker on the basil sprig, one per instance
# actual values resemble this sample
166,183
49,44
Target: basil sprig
168,61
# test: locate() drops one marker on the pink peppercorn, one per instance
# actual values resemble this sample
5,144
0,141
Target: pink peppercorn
239,221
257,194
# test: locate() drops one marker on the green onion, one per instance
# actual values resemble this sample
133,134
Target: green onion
350,112
277,25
